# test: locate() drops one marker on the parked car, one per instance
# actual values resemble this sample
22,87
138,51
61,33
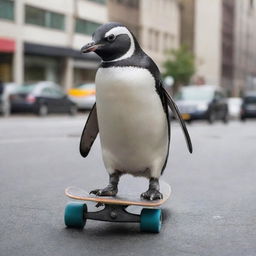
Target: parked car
248,108
234,107
5,107
202,102
83,95
41,98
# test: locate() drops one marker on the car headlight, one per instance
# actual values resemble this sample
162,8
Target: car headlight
202,107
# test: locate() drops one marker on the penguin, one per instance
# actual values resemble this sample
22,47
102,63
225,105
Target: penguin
130,113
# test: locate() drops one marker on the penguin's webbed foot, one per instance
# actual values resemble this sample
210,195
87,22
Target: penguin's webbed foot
110,190
152,194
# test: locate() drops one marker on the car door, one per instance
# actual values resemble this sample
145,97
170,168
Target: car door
47,99
220,104
61,101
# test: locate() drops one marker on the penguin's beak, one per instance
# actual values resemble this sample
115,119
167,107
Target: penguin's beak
90,47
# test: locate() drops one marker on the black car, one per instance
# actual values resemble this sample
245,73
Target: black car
248,108
202,102
41,98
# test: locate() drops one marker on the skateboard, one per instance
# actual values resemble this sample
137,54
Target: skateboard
115,208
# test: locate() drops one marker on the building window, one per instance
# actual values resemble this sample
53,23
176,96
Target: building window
251,4
35,16
129,3
98,1
150,39
7,9
44,18
166,45
86,27
156,48
56,20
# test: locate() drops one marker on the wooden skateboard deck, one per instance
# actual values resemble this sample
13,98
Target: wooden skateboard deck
126,196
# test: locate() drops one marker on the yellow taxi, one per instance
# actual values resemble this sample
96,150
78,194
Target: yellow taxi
83,95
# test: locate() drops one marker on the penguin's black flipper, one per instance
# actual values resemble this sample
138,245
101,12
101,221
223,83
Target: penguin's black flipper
176,112
89,133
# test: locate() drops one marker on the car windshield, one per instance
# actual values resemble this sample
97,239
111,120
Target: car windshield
250,99
86,86
25,89
194,94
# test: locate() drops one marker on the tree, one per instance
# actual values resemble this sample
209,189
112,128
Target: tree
180,64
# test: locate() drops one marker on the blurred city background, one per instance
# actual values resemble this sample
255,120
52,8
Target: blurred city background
192,41
40,40
206,52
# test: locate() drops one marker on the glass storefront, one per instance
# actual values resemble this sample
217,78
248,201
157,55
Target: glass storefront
41,68
82,76
6,67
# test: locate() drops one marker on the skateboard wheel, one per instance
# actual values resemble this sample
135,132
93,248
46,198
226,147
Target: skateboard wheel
74,215
151,220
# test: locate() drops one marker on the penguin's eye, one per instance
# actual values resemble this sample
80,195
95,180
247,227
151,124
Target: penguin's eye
111,38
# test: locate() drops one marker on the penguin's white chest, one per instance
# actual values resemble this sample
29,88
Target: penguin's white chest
132,123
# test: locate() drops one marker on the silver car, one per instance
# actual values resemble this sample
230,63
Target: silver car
202,102
5,106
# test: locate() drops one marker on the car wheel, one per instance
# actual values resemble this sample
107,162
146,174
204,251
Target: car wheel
6,109
211,118
242,118
225,118
73,110
43,110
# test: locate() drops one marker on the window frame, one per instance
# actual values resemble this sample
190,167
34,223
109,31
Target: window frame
102,2
12,11
79,21
48,17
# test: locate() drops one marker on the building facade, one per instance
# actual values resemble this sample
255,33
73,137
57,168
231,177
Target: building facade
245,47
159,28
154,23
207,40
187,23
223,42
228,45
125,12
41,40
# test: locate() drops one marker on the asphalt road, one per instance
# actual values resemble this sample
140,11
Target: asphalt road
212,210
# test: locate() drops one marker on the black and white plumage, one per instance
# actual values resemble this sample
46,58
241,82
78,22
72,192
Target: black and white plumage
131,111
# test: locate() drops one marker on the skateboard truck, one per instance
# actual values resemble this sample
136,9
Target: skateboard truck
113,213
76,215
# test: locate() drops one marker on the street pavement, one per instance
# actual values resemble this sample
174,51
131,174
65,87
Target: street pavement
211,212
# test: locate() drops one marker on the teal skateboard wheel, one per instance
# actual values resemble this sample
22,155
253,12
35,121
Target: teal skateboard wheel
151,220
74,215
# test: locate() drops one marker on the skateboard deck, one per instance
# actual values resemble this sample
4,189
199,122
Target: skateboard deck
122,198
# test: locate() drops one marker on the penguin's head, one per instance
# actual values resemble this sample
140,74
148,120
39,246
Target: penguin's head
112,42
